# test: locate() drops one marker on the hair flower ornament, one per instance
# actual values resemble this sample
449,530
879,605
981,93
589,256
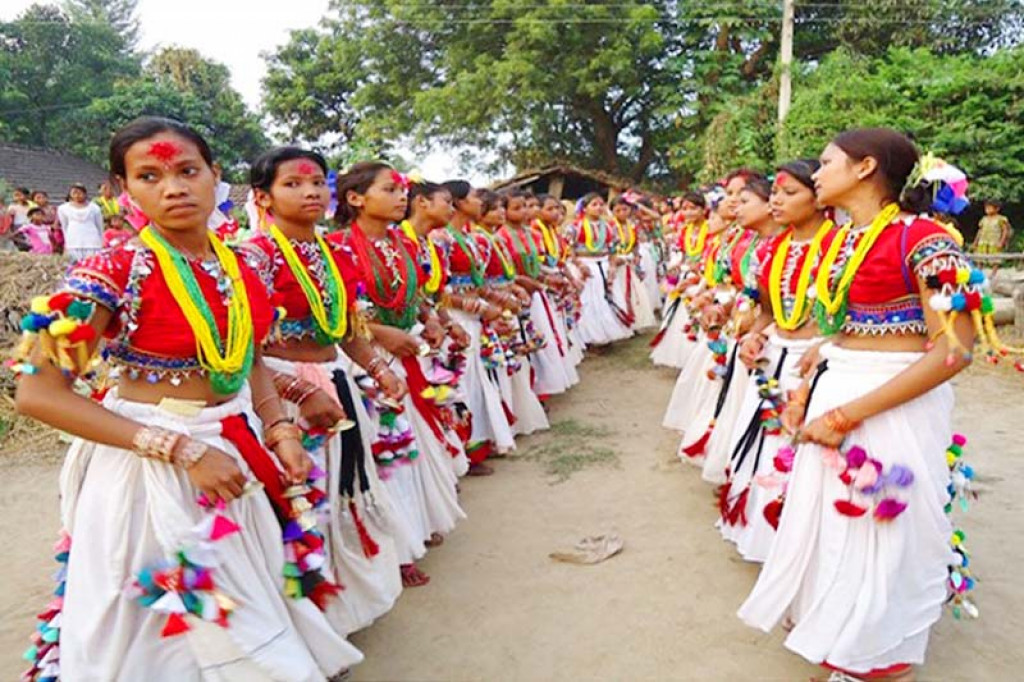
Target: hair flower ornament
948,184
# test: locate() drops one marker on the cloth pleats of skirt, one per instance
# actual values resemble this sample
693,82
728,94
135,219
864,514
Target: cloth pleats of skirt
490,423
753,538
551,376
438,501
649,266
126,513
692,388
599,325
673,348
371,581
862,594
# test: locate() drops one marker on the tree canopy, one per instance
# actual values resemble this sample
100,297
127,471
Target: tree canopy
70,76
965,107
627,87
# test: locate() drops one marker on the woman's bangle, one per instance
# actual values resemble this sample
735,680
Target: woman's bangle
280,431
304,395
836,421
264,401
190,454
155,443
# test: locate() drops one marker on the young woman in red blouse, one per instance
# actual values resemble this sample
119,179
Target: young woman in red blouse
552,374
415,444
670,347
500,286
481,313
314,284
860,563
595,240
153,576
784,330
736,302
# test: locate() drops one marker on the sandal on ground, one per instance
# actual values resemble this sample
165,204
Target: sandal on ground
412,576
435,540
479,470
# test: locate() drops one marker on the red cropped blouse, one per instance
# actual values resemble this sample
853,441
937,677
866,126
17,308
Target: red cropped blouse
263,256
885,297
149,335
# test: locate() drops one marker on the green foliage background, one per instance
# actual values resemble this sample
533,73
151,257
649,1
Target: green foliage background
964,107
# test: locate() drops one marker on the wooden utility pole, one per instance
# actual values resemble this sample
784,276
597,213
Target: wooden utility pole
786,60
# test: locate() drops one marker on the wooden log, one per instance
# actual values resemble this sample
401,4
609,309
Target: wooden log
1018,314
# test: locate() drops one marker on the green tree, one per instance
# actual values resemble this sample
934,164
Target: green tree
606,85
235,141
120,15
967,108
52,64
628,87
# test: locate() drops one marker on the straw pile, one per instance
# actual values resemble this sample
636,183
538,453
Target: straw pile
23,276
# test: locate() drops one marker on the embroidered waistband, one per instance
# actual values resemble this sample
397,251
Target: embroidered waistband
153,368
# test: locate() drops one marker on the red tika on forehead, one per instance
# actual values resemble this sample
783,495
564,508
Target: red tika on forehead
164,151
307,168
781,177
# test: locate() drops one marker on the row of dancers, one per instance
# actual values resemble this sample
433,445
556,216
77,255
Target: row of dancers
816,318
269,436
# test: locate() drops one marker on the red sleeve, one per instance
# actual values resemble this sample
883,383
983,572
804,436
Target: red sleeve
348,271
766,256
102,277
928,247
259,302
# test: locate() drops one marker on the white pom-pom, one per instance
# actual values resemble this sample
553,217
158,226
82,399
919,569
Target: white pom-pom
940,303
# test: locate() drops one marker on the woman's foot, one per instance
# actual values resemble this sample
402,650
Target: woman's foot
436,540
480,469
412,576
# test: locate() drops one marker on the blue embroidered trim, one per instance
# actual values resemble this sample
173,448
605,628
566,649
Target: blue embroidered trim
93,289
898,317
152,368
298,329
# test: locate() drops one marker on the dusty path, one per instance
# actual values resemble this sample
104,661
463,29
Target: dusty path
499,609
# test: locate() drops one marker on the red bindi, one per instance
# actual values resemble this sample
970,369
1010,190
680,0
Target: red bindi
164,151
307,168
781,177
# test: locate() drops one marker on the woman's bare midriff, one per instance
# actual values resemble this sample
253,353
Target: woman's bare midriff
193,389
301,350
808,331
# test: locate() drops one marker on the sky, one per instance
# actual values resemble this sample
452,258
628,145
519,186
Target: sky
235,33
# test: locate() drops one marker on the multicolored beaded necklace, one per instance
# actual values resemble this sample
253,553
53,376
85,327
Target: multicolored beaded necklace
468,248
330,308
394,297
228,363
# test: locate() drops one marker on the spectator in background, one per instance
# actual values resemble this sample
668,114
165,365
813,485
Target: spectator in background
117,232
49,212
107,200
82,224
993,230
34,236
19,208
5,225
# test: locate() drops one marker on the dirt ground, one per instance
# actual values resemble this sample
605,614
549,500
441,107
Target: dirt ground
499,609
